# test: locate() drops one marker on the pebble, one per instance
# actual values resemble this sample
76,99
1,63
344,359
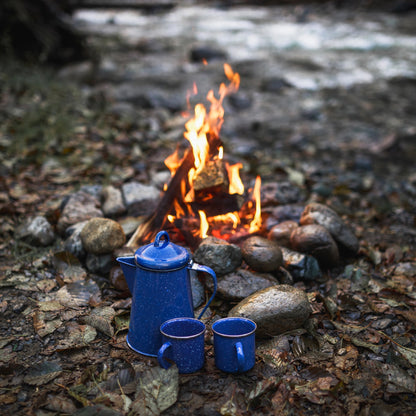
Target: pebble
73,243
102,236
37,231
315,240
282,193
242,283
261,254
100,264
301,266
81,206
140,199
117,279
316,213
275,310
280,233
198,290
218,254
112,204
288,212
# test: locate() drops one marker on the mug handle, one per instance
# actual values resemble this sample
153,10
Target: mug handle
240,356
163,363
199,267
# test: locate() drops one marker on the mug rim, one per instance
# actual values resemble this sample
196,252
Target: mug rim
234,318
183,319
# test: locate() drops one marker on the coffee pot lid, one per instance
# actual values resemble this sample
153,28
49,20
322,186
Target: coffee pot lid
161,254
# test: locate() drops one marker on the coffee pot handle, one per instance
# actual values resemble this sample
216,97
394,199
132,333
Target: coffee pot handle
200,268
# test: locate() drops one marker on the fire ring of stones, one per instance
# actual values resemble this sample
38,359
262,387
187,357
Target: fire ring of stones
250,272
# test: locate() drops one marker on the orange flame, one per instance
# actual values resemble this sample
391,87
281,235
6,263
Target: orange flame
255,224
201,131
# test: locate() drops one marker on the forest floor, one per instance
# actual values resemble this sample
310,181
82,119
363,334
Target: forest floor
352,147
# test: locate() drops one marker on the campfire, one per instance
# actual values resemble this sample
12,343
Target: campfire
205,195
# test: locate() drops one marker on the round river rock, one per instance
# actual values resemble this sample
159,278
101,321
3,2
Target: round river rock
262,254
280,233
275,310
102,236
242,283
218,254
315,240
316,213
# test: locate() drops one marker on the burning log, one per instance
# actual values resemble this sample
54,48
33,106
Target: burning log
203,184
148,229
218,203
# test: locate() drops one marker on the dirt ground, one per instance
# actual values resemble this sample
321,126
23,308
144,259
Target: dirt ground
62,343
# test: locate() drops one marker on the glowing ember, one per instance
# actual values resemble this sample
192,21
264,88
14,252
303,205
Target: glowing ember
217,181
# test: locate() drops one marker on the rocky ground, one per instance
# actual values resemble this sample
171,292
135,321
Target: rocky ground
321,121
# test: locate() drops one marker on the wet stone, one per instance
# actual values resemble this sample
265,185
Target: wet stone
280,233
112,204
317,241
218,254
300,265
140,199
81,206
261,254
102,235
36,231
242,283
275,310
316,213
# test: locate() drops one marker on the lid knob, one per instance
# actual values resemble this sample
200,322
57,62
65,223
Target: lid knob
159,235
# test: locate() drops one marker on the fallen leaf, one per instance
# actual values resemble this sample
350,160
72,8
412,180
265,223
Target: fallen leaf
42,373
101,318
157,390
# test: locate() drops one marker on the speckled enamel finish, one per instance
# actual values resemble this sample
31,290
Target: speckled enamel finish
159,281
183,343
234,344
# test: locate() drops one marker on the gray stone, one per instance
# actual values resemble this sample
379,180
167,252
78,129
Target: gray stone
198,291
301,266
316,213
102,235
280,233
261,254
218,254
242,283
73,243
140,199
81,206
112,204
317,241
100,264
275,310
36,230
159,179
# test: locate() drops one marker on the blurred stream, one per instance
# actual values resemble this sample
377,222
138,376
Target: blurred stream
310,49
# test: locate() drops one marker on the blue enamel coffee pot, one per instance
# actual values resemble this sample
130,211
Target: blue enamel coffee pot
158,276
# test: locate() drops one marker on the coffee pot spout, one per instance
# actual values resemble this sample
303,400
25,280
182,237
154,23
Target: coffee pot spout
128,265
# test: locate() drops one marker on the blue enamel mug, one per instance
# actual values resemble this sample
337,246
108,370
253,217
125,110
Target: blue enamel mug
234,344
183,344
158,276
